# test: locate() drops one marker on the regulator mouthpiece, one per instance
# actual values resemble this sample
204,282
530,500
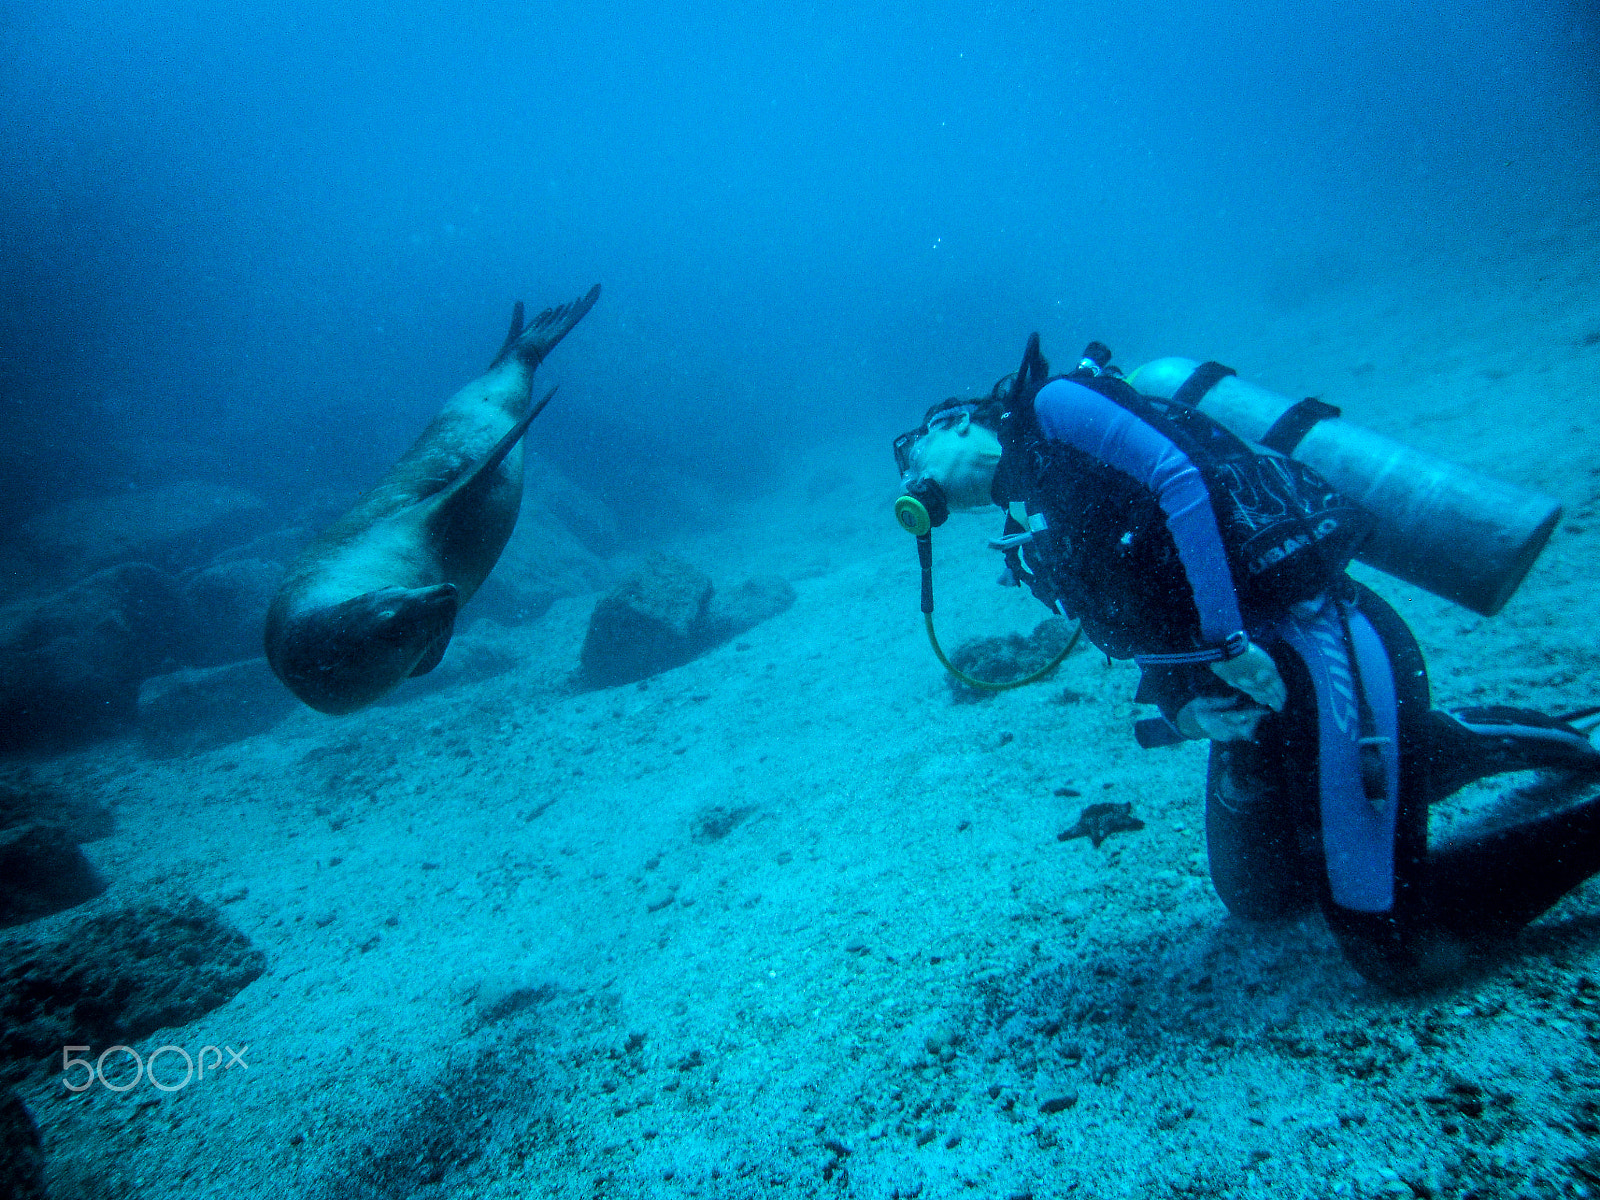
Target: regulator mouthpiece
922,509
913,517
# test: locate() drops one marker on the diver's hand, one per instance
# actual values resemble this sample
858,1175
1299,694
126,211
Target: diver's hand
1220,718
1256,675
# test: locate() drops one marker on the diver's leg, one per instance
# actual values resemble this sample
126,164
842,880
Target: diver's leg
1258,809
1373,894
1459,900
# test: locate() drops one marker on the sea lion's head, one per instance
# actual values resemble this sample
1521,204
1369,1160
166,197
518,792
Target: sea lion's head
343,657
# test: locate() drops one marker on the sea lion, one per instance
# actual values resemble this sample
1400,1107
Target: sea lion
373,600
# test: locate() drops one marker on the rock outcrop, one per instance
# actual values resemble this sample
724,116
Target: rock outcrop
197,709
21,1153
115,977
71,663
227,607
667,614
42,871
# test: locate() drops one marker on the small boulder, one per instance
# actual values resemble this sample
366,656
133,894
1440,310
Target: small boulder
201,708
42,871
650,622
543,562
115,977
553,498
738,609
481,652
21,1152
1003,659
71,663
228,603
86,818
279,546
667,614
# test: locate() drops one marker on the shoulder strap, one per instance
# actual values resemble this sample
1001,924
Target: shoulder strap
1295,422
1204,377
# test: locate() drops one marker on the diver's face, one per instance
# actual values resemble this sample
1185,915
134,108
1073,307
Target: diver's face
961,458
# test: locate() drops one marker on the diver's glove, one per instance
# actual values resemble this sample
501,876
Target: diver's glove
1220,718
1256,675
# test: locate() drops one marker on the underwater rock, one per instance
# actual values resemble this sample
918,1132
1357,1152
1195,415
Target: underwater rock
999,659
42,871
826,482
667,614
21,1152
650,622
553,499
716,822
71,663
506,996
228,604
115,977
734,611
279,546
201,708
173,526
543,562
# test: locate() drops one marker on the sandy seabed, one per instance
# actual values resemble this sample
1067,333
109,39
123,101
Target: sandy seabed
789,921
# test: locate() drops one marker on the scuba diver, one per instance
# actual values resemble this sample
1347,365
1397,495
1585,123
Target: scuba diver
1219,566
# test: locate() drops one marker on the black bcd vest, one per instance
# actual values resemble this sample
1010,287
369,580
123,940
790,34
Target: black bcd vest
1107,556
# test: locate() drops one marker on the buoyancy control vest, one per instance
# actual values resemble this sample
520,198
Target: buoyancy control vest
1100,549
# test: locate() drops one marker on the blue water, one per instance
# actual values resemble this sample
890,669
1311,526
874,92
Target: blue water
280,233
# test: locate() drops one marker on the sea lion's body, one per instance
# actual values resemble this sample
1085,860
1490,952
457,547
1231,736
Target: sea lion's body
373,599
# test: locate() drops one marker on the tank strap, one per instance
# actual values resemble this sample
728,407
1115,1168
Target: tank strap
1205,377
1295,423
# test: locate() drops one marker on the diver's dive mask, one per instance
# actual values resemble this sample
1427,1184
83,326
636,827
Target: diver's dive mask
940,416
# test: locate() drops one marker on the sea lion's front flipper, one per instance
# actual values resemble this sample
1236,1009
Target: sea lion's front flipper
532,344
467,491
434,654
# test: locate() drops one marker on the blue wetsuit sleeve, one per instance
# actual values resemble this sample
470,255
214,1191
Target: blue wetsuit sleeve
1084,419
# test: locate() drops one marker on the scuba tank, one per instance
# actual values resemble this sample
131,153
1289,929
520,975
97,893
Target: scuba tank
1456,533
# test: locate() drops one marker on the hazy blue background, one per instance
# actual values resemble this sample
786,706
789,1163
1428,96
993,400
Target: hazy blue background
264,242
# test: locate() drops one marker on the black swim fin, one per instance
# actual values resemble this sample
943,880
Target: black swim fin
1475,743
